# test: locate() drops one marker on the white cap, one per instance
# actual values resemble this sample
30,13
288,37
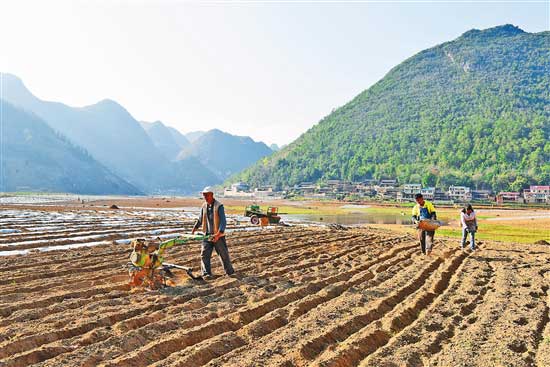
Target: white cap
207,189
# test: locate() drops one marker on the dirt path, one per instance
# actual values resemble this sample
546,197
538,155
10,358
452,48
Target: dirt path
301,297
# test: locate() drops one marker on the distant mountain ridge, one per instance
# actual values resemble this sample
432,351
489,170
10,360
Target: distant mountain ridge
36,158
179,137
147,157
225,154
194,135
472,111
274,147
167,139
113,137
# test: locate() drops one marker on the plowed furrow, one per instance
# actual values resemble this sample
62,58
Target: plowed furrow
152,326
507,327
302,296
76,304
71,334
106,320
268,262
303,265
206,351
310,350
15,292
438,323
101,254
34,357
305,252
20,318
215,347
19,281
100,261
285,340
420,293
161,349
6,311
105,270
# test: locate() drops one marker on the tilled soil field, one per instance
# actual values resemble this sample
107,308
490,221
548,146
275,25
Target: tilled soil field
302,296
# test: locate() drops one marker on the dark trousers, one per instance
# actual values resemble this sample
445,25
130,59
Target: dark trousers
223,253
426,239
472,233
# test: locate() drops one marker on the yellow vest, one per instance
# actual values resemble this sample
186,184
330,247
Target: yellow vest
427,204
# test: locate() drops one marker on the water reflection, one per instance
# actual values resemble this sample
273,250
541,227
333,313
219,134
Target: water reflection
350,219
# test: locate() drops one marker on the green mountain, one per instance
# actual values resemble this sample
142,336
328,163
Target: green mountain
36,158
473,111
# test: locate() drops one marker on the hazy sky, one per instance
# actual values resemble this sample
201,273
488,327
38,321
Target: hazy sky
268,69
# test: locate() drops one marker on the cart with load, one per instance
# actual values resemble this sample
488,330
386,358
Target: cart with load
257,216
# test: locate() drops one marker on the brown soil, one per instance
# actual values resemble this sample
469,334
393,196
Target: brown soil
151,203
301,297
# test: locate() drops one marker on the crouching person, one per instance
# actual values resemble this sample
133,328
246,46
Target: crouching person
213,222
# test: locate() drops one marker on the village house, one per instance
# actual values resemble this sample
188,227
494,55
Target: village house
388,183
537,195
335,185
509,197
306,188
428,193
482,195
441,196
412,189
408,192
264,192
370,182
387,193
460,193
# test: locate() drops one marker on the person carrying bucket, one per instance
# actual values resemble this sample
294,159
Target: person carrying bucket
423,210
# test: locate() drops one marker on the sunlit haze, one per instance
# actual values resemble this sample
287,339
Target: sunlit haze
268,70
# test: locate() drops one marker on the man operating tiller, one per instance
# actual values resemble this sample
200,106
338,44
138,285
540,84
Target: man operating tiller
213,222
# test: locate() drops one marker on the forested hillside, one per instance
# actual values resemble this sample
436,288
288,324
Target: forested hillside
473,111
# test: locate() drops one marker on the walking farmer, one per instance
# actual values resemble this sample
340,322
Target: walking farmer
469,225
424,209
213,222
